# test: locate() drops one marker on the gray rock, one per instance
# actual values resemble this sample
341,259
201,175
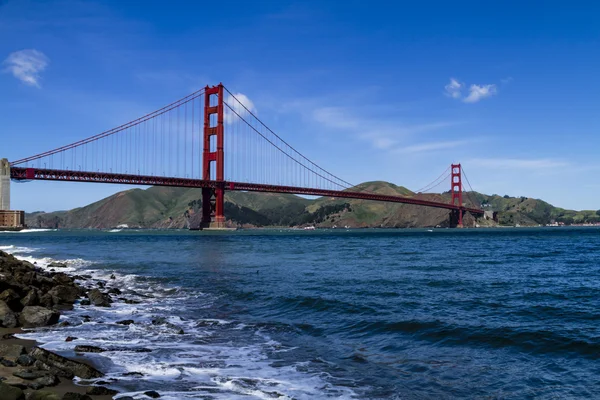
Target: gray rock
25,360
46,300
98,298
29,374
100,391
31,299
152,394
35,316
88,349
57,265
7,363
62,279
11,351
125,322
46,380
65,294
12,299
53,370
8,318
43,395
10,392
62,363
76,396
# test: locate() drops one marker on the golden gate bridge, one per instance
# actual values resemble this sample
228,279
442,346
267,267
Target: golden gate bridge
211,140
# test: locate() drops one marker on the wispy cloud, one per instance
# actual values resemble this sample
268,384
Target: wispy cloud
475,93
478,92
382,134
431,146
454,88
240,104
518,163
26,65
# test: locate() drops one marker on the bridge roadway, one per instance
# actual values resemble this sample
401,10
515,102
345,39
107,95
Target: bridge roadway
19,173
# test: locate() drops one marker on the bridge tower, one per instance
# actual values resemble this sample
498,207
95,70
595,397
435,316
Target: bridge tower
456,216
4,184
213,159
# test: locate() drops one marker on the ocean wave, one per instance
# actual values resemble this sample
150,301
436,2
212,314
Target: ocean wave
165,352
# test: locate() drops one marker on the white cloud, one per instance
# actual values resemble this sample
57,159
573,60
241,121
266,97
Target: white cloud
478,92
26,65
241,106
432,146
335,117
454,88
518,163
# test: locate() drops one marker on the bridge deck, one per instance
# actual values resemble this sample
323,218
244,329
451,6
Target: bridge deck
19,173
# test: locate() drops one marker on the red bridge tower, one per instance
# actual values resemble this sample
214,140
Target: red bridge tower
456,190
213,158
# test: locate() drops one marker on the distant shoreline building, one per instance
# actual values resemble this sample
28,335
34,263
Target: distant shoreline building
10,220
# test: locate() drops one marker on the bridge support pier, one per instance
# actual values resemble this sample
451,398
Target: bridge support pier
213,213
456,218
4,184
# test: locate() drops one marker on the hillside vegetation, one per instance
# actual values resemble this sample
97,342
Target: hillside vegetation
165,207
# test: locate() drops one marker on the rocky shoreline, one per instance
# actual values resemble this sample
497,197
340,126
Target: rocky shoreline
31,297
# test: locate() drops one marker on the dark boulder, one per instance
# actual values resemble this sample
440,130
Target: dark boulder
25,360
88,349
47,300
35,316
57,265
7,363
75,396
65,294
152,394
125,322
29,374
43,395
8,392
12,299
8,318
98,298
32,298
62,363
100,391
11,351
62,279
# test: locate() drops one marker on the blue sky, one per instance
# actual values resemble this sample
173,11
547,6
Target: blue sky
371,90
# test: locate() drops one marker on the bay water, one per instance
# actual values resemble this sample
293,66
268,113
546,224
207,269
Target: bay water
344,314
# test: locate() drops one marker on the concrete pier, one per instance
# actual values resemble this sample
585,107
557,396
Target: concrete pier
4,184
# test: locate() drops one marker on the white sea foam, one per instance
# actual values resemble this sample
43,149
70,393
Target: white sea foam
31,231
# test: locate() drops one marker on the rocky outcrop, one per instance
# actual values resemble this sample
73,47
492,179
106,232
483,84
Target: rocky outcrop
35,316
31,297
75,368
98,298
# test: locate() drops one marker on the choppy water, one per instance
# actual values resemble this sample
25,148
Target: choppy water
402,314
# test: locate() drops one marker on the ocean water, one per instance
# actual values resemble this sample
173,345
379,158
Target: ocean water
342,314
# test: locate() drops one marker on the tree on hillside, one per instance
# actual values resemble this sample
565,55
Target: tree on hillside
598,212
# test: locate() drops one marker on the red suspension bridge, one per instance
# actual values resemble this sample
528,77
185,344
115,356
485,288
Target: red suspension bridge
212,140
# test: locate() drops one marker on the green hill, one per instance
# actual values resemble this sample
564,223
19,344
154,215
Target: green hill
165,207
